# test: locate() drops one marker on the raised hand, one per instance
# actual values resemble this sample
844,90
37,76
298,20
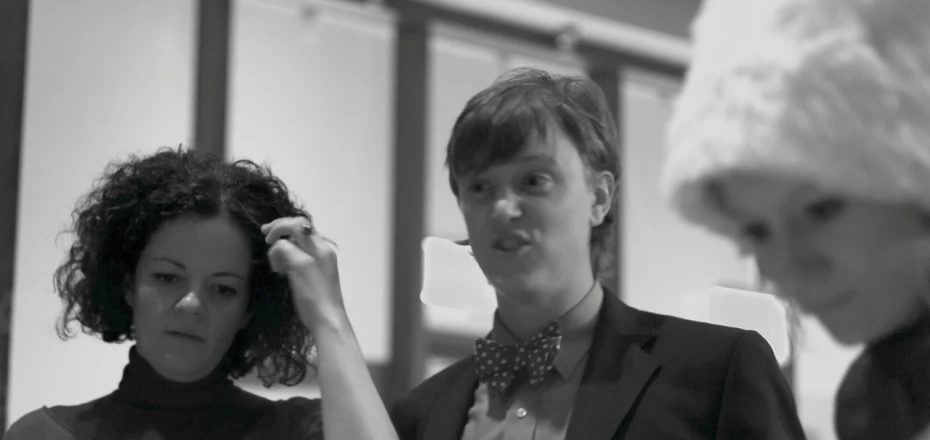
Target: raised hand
310,264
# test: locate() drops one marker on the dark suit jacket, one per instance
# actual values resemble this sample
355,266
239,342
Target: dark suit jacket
648,376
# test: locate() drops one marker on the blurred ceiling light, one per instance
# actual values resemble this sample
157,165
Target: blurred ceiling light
309,24
567,38
504,60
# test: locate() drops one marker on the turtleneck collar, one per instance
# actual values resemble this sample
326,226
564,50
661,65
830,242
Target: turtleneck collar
142,386
883,394
918,330
904,355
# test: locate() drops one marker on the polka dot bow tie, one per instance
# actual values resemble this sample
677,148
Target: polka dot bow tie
499,364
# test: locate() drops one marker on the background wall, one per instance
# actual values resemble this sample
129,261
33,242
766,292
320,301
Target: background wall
668,16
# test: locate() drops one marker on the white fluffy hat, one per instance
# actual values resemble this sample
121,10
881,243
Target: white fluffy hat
836,92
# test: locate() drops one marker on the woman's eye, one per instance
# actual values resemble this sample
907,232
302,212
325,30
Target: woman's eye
226,290
165,278
826,209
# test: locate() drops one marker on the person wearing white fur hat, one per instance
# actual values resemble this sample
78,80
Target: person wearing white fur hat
803,134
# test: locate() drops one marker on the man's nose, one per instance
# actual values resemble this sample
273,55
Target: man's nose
506,206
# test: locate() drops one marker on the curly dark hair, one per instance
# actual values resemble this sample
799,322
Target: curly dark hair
113,224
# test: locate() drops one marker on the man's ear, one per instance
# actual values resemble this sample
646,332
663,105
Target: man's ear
605,188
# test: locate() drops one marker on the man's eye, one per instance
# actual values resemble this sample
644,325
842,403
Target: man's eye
478,187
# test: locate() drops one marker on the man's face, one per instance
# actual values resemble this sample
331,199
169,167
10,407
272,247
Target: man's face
529,220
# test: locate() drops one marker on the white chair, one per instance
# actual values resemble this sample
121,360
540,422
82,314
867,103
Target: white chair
452,278
748,310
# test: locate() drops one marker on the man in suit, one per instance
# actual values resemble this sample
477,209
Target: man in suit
533,163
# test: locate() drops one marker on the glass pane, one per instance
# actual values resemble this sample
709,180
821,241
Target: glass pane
104,79
314,99
458,70
663,257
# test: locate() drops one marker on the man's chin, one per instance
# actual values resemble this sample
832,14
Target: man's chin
516,285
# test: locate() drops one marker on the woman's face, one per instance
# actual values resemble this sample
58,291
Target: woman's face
190,295
856,264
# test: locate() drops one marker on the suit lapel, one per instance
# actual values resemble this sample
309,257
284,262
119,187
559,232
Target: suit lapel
616,373
448,417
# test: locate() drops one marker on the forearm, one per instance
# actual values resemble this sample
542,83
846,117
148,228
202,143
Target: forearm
352,407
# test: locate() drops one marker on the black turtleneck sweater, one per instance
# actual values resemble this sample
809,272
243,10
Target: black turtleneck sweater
886,392
146,406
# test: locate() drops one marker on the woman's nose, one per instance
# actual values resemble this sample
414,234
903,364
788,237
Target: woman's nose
794,265
190,302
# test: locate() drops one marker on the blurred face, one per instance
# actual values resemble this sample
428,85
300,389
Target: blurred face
529,220
856,264
190,295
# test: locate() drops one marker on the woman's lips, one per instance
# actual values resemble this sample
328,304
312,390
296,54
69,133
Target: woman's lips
185,335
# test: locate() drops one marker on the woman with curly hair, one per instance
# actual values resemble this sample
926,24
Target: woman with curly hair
803,135
214,273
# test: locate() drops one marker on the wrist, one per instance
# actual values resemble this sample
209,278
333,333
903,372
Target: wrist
327,320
